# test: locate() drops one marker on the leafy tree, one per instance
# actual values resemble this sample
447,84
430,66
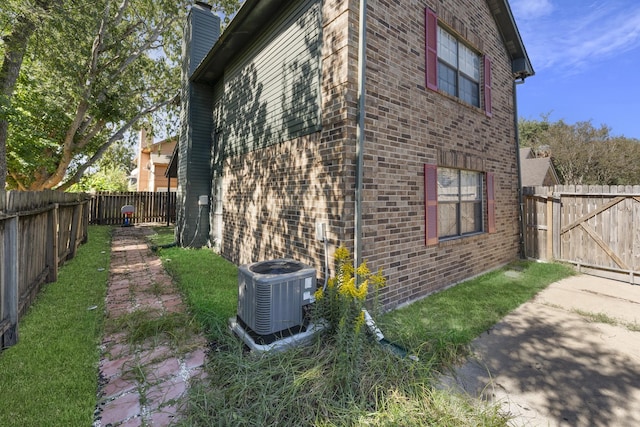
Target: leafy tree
532,132
14,47
92,73
111,172
105,179
584,154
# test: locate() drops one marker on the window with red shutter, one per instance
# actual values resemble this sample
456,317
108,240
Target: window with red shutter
431,37
453,67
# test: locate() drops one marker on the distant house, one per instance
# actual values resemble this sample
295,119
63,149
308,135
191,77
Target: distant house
152,161
398,143
536,171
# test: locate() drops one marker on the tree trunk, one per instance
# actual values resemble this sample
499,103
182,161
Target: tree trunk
15,46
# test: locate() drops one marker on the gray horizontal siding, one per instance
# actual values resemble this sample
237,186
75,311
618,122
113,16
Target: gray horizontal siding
272,90
194,163
208,31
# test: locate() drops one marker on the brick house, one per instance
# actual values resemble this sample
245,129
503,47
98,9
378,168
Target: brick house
152,161
418,176
535,171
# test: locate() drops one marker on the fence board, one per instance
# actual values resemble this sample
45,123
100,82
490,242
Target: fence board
593,226
36,229
9,281
156,207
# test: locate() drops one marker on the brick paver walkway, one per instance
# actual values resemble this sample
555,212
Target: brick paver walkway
142,384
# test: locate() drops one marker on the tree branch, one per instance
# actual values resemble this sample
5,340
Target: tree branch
18,182
89,135
115,137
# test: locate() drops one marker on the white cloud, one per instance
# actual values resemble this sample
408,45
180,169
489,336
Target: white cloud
531,9
577,34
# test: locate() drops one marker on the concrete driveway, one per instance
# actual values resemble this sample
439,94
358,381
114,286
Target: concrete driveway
569,357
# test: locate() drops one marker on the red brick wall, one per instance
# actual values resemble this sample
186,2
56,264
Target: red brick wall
408,125
273,197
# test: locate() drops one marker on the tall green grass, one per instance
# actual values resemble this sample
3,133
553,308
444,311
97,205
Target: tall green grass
208,282
302,386
49,377
441,325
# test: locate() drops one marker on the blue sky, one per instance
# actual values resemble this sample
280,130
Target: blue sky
586,56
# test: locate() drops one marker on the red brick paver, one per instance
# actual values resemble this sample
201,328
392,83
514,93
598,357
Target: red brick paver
142,384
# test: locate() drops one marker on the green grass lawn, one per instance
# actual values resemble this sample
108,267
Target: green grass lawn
304,386
208,282
442,324
50,377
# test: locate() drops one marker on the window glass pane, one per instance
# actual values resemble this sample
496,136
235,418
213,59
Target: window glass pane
447,48
447,79
470,217
460,202
469,62
447,219
469,91
448,185
458,69
470,186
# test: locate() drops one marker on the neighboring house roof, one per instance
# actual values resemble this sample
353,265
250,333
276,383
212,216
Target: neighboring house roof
536,171
255,14
172,168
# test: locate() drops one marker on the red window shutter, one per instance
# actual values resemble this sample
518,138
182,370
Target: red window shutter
431,37
431,204
487,85
491,203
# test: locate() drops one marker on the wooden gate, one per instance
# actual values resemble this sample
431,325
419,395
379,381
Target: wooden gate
595,227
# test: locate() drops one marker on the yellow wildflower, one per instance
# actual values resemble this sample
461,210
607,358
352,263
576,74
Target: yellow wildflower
349,288
378,280
342,254
361,292
363,270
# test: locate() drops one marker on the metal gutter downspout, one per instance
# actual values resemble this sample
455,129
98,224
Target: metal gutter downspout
518,167
362,43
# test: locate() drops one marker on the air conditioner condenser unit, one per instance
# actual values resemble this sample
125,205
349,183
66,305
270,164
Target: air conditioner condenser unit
272,299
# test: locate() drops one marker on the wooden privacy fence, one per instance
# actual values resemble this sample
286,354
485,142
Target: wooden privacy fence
38,232
594,227
149,207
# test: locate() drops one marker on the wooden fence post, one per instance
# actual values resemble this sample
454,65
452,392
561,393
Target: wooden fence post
52,244
85,222
73,236
557,225
550,228
10,280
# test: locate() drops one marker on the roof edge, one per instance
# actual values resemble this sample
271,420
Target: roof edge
250,19
520,63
